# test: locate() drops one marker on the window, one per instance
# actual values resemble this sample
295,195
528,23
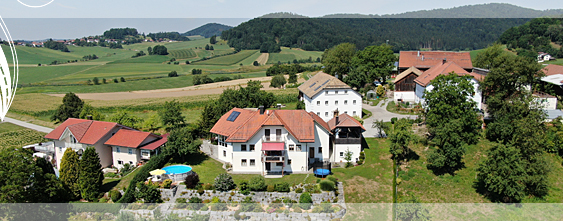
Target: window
117,150
346,112
318,113
345,102
73,139
120,162
326,114
335,102
326,103
298,147
145,153
61,149
129,150
341,154
291,147
243,147
267,134
288,161
251,147
318,103
354,113
320,150
252,162
335,92
224,153
130,162
346,91
354,102
279,164
278,134
243,162
326,92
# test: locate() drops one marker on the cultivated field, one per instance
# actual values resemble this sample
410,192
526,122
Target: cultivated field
288,55
229,59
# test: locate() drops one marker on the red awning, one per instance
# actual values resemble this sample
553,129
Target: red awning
272,146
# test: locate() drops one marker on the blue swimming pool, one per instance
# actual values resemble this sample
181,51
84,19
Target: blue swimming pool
177,169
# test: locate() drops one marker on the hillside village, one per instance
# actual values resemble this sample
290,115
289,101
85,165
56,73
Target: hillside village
291,134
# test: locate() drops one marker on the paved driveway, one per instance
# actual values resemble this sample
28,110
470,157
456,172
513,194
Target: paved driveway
380,113
28,125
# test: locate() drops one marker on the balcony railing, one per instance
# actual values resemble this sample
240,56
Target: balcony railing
348,140
274,139
273,158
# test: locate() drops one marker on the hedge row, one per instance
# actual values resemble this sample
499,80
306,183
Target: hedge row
156,162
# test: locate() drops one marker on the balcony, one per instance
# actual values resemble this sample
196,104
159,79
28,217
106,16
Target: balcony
275,159
348,140
274,139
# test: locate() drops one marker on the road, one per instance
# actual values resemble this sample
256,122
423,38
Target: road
379,113
28,125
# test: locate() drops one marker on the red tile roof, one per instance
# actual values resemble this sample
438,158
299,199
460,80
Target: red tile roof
129,138
298,123
344,120
552,69
85,131
427,59
156,144
443,68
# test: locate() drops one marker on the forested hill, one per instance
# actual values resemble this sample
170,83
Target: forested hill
538,35
208,30
492,10
402,33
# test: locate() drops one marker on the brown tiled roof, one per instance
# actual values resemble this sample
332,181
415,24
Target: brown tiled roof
441,69
156,144
97,130
427,59
344,120
552,69
320,121
79,129
85,131
319,82
407,72
298,123
129,138
57,132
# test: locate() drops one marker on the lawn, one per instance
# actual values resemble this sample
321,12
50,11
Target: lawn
229,59
182,53
47,73
288,55
391,107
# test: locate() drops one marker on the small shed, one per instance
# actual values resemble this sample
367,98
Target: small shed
371,95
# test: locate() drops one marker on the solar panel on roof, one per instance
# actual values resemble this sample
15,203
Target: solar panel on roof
312,84
317,88
325,82
233,116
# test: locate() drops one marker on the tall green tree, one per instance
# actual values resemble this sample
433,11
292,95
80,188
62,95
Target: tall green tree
375,61
91,176
292,78
182,143
125,118
71,107
278,81
171,115
381,127
213,40
401,138
338,59
88,110
70,172
452,120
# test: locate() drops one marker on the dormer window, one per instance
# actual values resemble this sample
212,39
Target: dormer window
73,139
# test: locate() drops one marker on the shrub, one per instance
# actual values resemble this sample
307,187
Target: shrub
327,185
243,187
200,191
219,207
270,188
196,203
115,80
173,74
103,200
167,183
318,180
282,187
305,201
297,209
299,190
393,120
224,182
207,186
110,175
181,200
191,180
332,178
257,183
122,79
115,195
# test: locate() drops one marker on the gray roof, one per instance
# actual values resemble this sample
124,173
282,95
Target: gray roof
319,82
556,79
552,114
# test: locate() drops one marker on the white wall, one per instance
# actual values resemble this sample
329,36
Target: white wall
354,148
124,156
477,97
547,103
404,95
326,111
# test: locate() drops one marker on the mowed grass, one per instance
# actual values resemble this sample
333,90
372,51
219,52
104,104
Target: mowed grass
182,53
29,55
144,59
46,73
288,55
229,59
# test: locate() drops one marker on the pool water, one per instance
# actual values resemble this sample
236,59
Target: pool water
177,169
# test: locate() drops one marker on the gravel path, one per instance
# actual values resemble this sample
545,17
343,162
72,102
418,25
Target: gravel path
380,113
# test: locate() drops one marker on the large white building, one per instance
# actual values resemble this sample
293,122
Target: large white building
323,94
278,141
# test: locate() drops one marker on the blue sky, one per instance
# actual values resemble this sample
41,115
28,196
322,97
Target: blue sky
230,8
182,15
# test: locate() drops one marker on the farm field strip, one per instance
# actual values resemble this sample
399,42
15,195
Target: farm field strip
229,59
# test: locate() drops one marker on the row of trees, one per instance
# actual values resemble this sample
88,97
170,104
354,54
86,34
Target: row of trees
168,35
358,68
56,45
158,50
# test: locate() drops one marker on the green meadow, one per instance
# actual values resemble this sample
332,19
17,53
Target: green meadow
288,55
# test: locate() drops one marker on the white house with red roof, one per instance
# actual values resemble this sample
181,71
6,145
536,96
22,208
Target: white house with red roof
275,141
79,134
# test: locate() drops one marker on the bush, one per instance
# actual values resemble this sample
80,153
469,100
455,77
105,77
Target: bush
297,209
103,200
299,190
318,180
327,185
200,191
195,203
207,186
167,183
156,162
115,195
115,80
110,175
332,178
243,187
393,120
173,74
257,183
224,182
270,188
191,180
305,201
122,79
282,187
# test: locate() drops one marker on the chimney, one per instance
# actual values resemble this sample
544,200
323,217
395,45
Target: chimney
422,57
89,117
261,108
444,61
336,116
418,54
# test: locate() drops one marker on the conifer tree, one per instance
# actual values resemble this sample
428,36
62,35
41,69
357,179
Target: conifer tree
91,175
69,173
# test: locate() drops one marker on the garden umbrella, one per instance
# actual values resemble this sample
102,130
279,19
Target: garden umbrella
157,172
